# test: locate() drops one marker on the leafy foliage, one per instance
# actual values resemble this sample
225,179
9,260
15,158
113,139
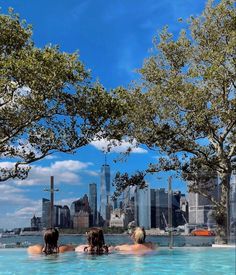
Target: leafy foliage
185,106
47,100
122,181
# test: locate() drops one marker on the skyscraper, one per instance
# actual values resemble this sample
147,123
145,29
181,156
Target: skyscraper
56,215
105,193
153,207
64,217
45,213
199,206
142,208
161,208
93,202
77,206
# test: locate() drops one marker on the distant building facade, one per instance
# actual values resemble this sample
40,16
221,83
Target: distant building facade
81,220
93,202
80,209
142,208
64,217
161,208
199,206
56,215
184,207
105,206
36,223
45,213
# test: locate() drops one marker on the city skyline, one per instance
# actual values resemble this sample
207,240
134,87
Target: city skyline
113,39
135,207
148,208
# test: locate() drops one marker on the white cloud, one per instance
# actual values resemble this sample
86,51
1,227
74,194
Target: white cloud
15,208
65,171
92,173
50,157
117,147
22,216
28,211
66,201
12,195
71,165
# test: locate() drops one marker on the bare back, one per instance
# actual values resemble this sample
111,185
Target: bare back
38,249
136,247
35,249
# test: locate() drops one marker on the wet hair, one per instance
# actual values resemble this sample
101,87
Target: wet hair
139,235
51,236
96,241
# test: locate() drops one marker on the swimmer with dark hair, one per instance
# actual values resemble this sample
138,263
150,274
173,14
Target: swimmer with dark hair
51,237
96,243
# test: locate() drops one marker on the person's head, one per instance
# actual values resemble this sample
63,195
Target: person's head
51,236
96,238
139,235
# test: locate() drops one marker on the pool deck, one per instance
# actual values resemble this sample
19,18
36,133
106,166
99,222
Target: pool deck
224,245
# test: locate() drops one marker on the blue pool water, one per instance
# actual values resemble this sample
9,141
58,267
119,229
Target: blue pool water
179,261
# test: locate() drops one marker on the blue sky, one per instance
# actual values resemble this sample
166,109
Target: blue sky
113,38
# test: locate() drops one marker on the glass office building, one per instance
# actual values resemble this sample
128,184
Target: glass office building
93,202
105,193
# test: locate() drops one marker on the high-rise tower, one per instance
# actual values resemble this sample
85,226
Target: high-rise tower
105,193
93,202
45,213
142,208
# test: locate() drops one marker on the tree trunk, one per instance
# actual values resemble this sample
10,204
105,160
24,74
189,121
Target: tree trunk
222,214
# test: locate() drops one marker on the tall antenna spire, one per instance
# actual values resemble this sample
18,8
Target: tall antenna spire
51,190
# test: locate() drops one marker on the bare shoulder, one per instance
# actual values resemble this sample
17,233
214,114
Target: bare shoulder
80,248
124,247
66,248
35,249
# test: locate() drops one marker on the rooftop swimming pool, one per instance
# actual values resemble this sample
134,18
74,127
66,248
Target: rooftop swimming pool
179,261
178,241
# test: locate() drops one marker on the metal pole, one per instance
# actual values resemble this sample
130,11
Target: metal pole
170,211
51,201
51,190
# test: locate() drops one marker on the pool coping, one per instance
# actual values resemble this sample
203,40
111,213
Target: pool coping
224,245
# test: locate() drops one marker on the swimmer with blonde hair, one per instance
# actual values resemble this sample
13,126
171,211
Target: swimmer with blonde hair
138,236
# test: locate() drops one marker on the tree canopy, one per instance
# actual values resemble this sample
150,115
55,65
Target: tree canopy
47,100
184,106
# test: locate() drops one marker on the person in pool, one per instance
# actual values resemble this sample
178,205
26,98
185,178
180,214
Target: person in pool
138,236
51,236
96,243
